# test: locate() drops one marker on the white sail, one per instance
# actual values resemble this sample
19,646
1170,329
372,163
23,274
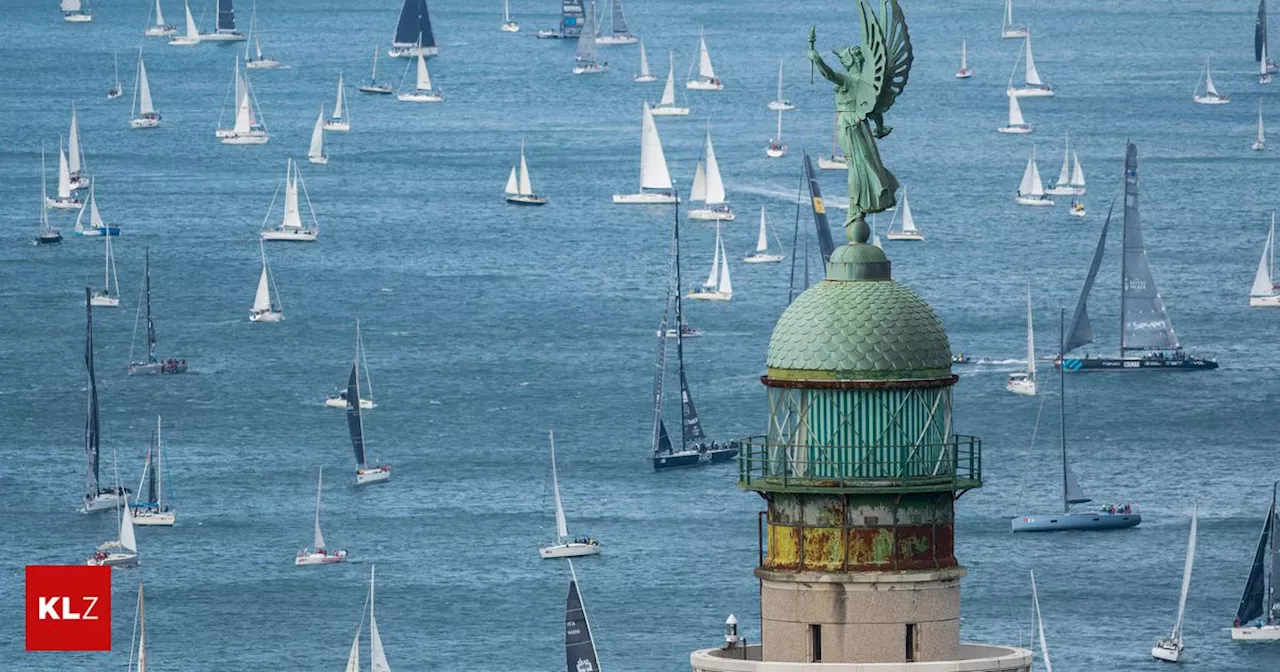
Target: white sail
698,192
319,540
1031,340
715,185
353,658
1064,175
73,144
1261,135
64,175
424,77
244,107
908,222
144,89
1077,173
338,104
142,625
714,276
1044,646
1208,79
1186,576
644,62
70,5
95,217
1031,185
562,528
511,187
705,71
109,265
779,98
127,540
1008,13
292,216
653,162
317,139
377,657
725,286
1015,112
262,300
1262,281
193,31
1262,61
669,92
762,240
526,185
964,54
159,16
1033,77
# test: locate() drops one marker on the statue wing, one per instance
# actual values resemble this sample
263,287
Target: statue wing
873,78
897,48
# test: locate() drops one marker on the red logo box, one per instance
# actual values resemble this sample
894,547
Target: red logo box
68,608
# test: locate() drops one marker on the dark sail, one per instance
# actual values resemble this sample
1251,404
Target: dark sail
1146,324
1260,30
579,650
1254,597
151,327
91,418
692,425
226,16
414,23
1081,331
825,243
354,423
664,439
153,466
572,16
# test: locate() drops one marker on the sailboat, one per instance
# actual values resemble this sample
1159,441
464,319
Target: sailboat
75,155
579,649
256,60
1145,325
377,657
1031,189
694,450
74,11
571,20
373,86
152,363
1259,142
1264,74
1211,95
96,227
339,399
160,28
718,287
1016,124
96,498
707,80
1065,185
780,104
156,510
264,309
1044,644
964,72
355,426
225,28
1170,649
667,107
422,91
1033,88
338,121
655,181
1260,40
116,89
1024,382
248,128
48,235
775,148
1110,517
413,32
1258,616
836,161
140,621
762,255
1009,31
192,36
708,187
563,548
584,57
618,31
291,227
1265,292
315,154
908,223
119,552
519,189
319,554
509,25
141,111
109,295
645,76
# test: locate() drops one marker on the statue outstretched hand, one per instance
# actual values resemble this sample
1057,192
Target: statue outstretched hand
813,38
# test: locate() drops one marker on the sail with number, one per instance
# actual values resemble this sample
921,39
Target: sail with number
1146,323
692,426
579,649
825,241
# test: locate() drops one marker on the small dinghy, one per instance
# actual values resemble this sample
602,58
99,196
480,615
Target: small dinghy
964,72
780,104
563,548
117,89
907,224
509,25
319,554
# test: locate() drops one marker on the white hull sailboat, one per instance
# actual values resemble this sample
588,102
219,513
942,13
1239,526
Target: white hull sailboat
377,656
1170,649
74,11
718,286
708,187
706,80
338,399
319,553
143,112
667,107
1210,95
264,310
563,548
160,28
48,235
836,161
1258,616
109,295
190,38
1009,31
776,149
373,86
365,473
1034,87
96,497
75,155
1024,382
645,76
66,199
156,511
584,56
509,25
618,31
1259,142
256,60
1031,189
761,255
1064,185
655,180
291,228
1016,124
519,189
249,128
422,91
338,121
225,26
121,552
964,72
780,104
1265,292
315,154
97,227
907,230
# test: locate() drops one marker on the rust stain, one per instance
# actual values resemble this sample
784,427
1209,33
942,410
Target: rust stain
823,548
784,547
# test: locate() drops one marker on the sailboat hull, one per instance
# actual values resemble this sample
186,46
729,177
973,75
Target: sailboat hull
105,501
1063,190
708,295
411,51
161,31
704,85
646,198
964,74
1272,301
339,126
184,41
267,316
832,163
1079,364
1013,33
722,213
262,64
425,97
303,236
154,518
527,199
623,38
375,88
781,106
319,160
145,122
252,138
223,36
1021,385
339,402
775,151
1263,633
694,458
63,203
645,79
308,557
590,68
511,27
904,235
1211,100
374,475
77,18
143,368
572,550
1044,91
762,259
668,111
104,301
1101,520
1167,651
49,238
113,560
1034,201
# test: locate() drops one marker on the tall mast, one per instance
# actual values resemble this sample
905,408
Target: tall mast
151,328
679,331
1062,405
1270,566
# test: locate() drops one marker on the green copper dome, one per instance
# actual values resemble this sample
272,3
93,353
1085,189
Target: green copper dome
859,324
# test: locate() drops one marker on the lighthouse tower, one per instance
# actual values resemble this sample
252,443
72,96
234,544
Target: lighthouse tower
860,471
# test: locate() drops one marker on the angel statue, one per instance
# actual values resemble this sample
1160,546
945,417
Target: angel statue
876,73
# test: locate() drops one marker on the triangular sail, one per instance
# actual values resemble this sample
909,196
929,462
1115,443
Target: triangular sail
705,71
91,426
142,615
1081,330
377,657
964,54
715,185
1064,175
151,326
317,138
664,439
353,657
669,91
1044,645
579,649
1146,322
511,187
1262,281
1033,76
1208,80
127,540
1253,600
74,157
618,21
159,16
1073,492
692,426
1186,576
698,192
714,276
414,25
1262,136
244,106
724,286
193,31
319,538
586,50
762,240
338,104
64,175
226,16
292,215
653,162
95,217
1260,33
644,62
1031,185
908,222
1077,173
355,421
562,527
1015,112
144,89
1031,340
526,185
150,469
424,77
262,299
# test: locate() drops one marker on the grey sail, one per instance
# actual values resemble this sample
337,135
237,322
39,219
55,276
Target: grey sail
664,439
692,425
586,52
153,464
619,21
414,23
1081,331
1071,487
1146,323
579,650
226,15
91,418
151,327
825,242
659,374
1260,30
1273,595
1252,602
355,423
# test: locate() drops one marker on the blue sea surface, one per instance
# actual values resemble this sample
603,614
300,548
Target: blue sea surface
486,325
